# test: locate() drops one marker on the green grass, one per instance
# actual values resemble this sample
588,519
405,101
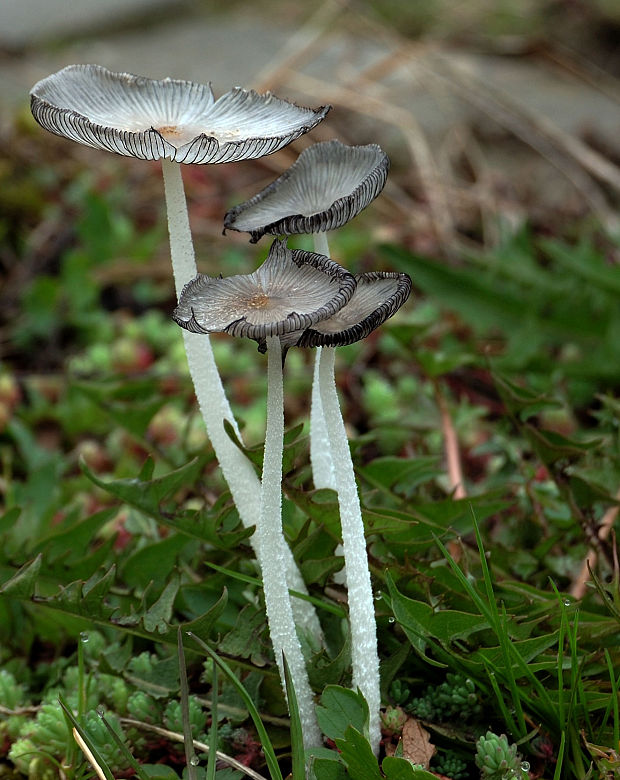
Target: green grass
116,522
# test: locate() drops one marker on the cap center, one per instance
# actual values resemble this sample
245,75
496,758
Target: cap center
258,301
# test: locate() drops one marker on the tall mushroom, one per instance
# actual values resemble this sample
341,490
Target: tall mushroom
181,122
328,185
290,292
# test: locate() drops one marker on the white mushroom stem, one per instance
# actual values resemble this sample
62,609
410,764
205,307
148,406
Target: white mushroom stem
364,655
320,454
272,550
214,407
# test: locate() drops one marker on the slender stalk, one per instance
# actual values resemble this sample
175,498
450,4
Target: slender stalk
365,658
320,454
214,407
272,545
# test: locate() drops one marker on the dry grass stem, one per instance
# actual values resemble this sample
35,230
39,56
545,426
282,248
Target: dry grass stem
574,159
385,111
201,746
451,446
578,588
302,46
89,756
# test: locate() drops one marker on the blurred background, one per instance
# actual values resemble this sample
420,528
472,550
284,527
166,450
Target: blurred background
501,118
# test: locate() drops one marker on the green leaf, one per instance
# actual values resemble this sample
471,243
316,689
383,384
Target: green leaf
327,769
147,495
154,562
339,709
159,772
404,474
22,584
358,756
157,617
68,542
403,769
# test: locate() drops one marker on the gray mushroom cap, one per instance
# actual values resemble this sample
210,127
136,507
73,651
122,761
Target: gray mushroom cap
291,291
174,119
378,296
328,185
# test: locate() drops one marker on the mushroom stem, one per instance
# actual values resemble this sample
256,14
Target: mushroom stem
214,407
365,658
272,547
320,455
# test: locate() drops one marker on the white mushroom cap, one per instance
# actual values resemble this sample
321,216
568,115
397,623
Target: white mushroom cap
328,185
178,120
291,291
378,295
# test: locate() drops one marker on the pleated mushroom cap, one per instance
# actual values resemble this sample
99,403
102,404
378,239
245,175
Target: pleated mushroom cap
378,295
173,119
291,291
328,185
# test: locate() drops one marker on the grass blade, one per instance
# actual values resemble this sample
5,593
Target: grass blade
91,752
297,738
270,755
212,760
124,750
188,742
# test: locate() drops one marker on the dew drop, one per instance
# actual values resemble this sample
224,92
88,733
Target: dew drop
84,637
101,711
567,602
391,620
525,766
194,760
378,595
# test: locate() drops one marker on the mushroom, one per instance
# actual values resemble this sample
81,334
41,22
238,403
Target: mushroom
328,185
291,291
378,295
181,122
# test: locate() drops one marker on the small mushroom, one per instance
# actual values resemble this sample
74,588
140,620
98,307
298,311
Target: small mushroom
328,185
181,122
291,291
378,295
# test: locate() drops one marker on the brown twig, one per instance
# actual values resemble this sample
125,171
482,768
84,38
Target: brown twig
380,108
300,46
176,737
451,446
573,158
578,588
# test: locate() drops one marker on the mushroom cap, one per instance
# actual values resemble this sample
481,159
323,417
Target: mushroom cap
290,291
328,185
378,295
174,119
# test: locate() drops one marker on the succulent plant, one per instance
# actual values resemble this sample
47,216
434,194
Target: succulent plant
497,759
448,763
